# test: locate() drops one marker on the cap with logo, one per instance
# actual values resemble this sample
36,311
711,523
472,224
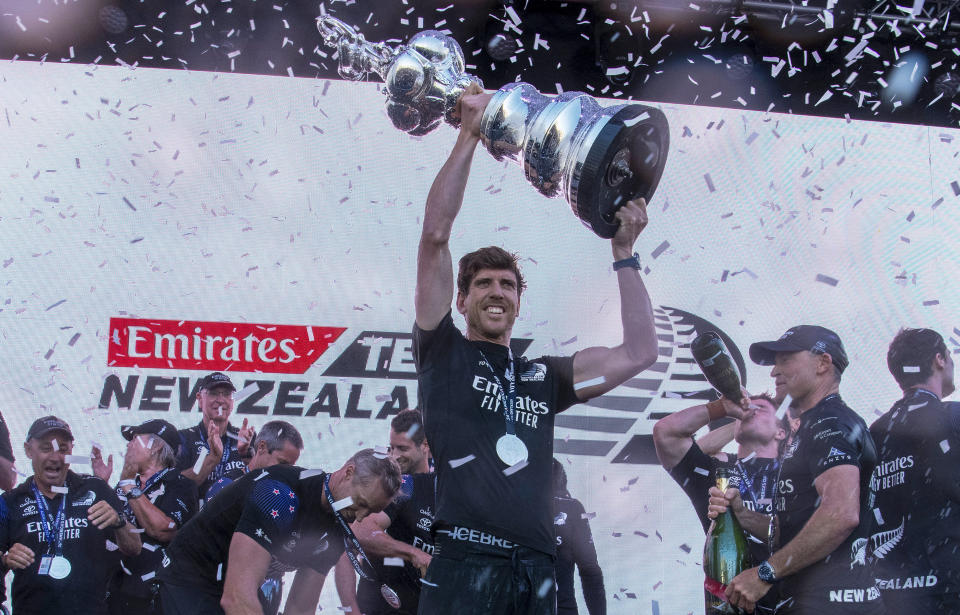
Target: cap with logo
155,427
818,340
216,379
48,424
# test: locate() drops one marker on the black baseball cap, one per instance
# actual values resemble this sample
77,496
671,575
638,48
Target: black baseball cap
155,427
48,424
817,340
216,379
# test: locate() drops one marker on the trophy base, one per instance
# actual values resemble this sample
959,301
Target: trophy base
625,161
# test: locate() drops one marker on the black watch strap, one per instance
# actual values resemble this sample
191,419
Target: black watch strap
633,262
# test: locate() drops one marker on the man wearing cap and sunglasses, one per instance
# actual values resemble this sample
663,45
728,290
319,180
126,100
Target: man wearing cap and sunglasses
823,502
214,449
157,500
60,531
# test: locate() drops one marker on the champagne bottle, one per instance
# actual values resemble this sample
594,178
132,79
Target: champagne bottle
717,365
725,554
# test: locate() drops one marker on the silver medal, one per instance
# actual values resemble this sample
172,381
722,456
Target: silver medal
390,596
59,567
511,449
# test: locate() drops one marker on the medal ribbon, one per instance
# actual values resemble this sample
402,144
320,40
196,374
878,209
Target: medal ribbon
508,400
219,470
746,483
54,533
349,538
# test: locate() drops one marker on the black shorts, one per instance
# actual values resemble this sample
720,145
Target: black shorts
471,578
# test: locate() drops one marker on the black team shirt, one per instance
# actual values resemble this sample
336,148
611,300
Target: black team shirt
830,435
176,497
916,543
276,508
463,419
195,447
575,549
92,552
411,517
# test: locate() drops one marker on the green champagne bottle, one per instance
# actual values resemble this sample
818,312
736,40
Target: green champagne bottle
717,365
725,554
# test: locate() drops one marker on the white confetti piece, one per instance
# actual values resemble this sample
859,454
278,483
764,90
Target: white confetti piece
136,530
456,463
150,547
426,582
545,587
245,392
913,407
588,515
76,459
750,456
412,431
264,473
944,446
127,481
171,525
589,383
56,489
220,571
515,468
343,503
393,561
198,464
784,407
878,516
148,576
111,546
702,472
56,445
911,369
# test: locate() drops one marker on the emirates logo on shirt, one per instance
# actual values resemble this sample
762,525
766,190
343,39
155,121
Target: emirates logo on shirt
217,346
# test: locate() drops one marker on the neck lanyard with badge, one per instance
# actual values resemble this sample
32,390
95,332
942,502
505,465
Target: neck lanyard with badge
52,564
510,448
220,469
350,540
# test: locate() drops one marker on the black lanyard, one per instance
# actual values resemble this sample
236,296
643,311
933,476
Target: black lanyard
127,509
746,482
349,538
507,399
54,534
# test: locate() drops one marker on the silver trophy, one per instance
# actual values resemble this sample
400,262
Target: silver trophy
597,157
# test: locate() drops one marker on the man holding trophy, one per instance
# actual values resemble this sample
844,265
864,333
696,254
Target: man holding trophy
489,415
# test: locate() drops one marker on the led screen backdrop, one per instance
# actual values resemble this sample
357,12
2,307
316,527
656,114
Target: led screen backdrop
157,225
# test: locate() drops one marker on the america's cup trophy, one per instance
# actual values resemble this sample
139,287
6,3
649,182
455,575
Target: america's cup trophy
597,157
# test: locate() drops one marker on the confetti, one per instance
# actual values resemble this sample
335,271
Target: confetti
911,369
515,468
825,279
76,459
393,561
944,446
589,383
343,503
456,463
57,489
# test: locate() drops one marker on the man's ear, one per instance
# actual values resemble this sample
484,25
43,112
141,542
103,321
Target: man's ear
461,306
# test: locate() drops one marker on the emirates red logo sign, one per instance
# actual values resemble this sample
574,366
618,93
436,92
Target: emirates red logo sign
217,346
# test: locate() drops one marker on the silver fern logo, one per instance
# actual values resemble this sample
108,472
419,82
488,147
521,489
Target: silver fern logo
881,544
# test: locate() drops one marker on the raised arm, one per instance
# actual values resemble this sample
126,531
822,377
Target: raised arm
434,292
608,368
673,434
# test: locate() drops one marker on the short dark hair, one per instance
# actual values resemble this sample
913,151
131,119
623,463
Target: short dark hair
491,257
275,433
911,354
371,465
407,421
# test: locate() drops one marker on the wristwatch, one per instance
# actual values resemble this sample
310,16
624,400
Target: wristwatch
766,573
134,493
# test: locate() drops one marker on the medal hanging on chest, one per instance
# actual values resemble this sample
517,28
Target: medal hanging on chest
390,597
54,564
510,448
